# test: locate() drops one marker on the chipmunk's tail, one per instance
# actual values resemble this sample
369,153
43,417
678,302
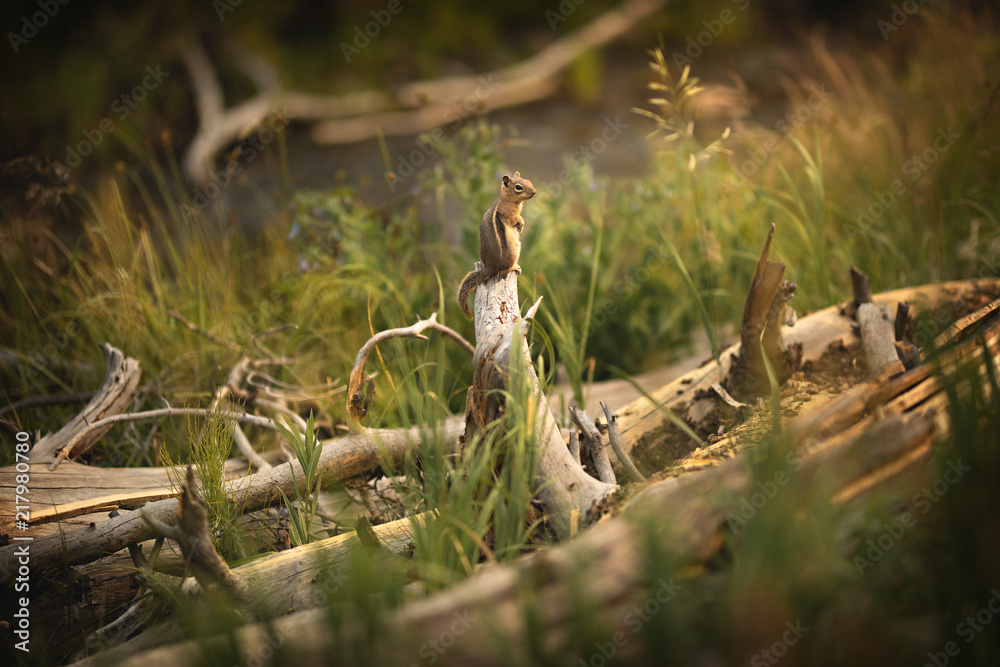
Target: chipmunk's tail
472,280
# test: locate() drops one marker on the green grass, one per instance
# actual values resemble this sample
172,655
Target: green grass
631,270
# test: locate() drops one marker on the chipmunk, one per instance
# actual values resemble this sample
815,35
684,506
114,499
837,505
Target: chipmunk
499,236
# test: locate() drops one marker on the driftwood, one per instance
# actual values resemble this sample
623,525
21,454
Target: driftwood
297,579
877,326
566,492
642,423
357,400
113,397
191,532
845,465
833,431
361,115
341,459
877,335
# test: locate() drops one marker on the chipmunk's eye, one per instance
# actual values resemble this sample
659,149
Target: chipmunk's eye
518,187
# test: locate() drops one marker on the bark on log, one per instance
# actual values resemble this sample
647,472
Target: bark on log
642,419
341,459
846,466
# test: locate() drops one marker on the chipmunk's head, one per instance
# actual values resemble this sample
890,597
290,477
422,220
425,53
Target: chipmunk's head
517,188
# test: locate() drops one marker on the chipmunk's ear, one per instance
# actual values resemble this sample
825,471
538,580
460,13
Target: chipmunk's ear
517,174
506,179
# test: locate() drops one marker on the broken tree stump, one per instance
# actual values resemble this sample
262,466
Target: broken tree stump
760,334
566,492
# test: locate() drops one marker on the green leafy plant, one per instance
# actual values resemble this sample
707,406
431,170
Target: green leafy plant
307,449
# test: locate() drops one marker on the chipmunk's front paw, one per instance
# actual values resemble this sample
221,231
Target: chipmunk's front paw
519,227
517,269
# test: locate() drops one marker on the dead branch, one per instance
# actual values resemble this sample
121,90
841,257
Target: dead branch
591,445
696,506
877,336
441,101
761,332
616,444
121,379
963,323
861,286
85,431
191,533
357,402
341,459
564,488
642,420
427,104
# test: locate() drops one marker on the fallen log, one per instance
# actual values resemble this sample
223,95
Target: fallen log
341,459
643,426
691,512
